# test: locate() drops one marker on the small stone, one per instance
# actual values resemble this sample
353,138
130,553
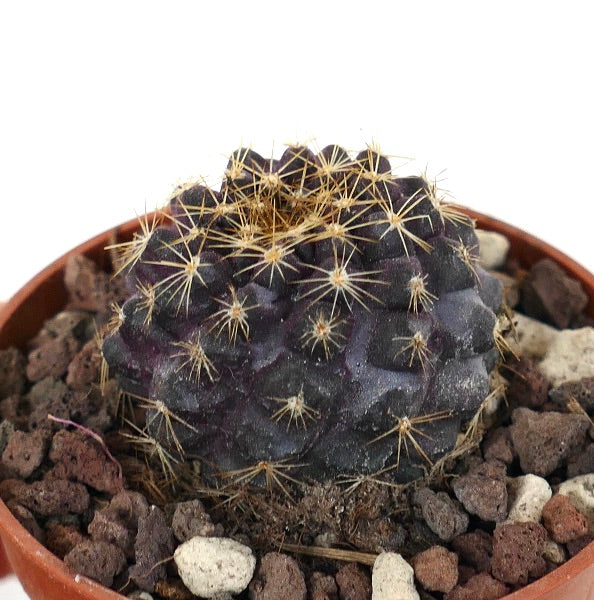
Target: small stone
479,587
528,386
442,514
493,249
353,583
26,518
393,578
80,457
544,440
554,552
278,576
497,445
562,520
581,390
580,490
98,560
54,497
51,359
154,543
581,462
12,372
517,553
6,430
528,494
61,538
84,368
570,357
25,452
482,491
191,519
475,548
65,322
322,587
534,337
88,288
48,396
210,566
436,569
511,288
579,544
551,295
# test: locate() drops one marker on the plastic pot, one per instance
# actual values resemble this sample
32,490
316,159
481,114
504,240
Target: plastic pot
44,576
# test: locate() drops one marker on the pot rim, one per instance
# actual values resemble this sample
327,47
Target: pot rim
526,247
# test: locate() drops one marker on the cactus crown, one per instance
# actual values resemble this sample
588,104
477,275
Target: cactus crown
316,314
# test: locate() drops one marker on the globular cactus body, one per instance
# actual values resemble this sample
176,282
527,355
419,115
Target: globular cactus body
317,311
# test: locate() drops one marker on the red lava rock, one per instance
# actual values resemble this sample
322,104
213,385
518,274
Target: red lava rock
85,367
26,518
25,452
6,430
548,293
50,396
479,587
528,386
442,514
322,587
154,543
88,288
52,359
475,548
15,409
582,391
465,573
278,577
191,519
353,583
377,535
582,462
61,539
54,497
517,553
78,456
118,522
11,488
482,491
562,520
98,560
436,569
65,322
12,372
577,545
497,445
544,440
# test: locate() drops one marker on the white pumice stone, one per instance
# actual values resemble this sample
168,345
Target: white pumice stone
211,566
554,552
528,494
580,491
534,337
393,578
493,249
570,356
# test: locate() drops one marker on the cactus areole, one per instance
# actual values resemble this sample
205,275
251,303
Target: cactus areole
316,316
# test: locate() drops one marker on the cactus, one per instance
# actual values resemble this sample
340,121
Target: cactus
316,316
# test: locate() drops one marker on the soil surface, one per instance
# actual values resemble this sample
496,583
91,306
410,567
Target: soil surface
488,520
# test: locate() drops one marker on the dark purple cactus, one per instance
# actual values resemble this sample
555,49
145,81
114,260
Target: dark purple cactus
315,311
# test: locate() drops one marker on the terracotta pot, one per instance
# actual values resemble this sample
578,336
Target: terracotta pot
45,577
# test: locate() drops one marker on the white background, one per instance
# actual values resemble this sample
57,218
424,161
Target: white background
104,106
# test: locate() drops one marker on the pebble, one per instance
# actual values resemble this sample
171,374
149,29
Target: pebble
98,560
353,583
12,372
534,337
442,514
517,553
582,391
550,294
475,549
570,356
479,587
562,520
191,519
528,385
393,578
436,569
497,445
54,497
482,491
528,494
278,576
24,452
544,440
322,586
493,249
580,490
210,566
554,552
